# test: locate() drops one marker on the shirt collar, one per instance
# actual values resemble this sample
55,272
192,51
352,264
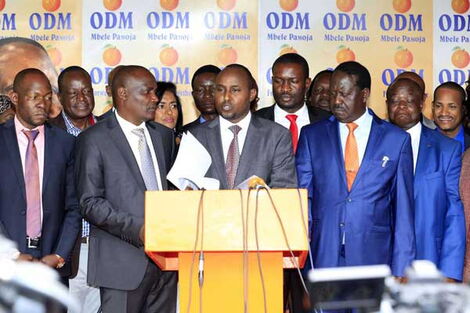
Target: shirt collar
300,112
415,131
364,120
20,127
125,124
244,123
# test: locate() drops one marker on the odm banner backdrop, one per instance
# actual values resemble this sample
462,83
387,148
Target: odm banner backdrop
174,37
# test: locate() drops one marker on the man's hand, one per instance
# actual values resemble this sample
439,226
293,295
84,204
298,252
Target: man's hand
142,234
51,260
25,257
451,280
401,280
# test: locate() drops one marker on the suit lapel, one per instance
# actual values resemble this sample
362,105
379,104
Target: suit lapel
251,142
374,140
120,140
334,141
159,153
49,142
11,145
425,146
214,144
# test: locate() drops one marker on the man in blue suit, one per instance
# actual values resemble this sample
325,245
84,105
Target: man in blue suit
439,215
38,206
358,171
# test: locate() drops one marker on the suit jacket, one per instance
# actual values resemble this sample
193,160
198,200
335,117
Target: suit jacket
465,195
267,153
61,216
466,139
191,125
315,114
439,216
376,216
105,115
111,190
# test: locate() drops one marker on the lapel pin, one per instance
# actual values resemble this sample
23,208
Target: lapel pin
385,160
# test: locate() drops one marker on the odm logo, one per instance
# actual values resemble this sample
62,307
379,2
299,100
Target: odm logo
401,6
168,55
460,57
288,5
226,5
54,54
227,55
403,57
112,5
460,6
2,4
111,55
344,54
169,5
287,49
345,5
51,5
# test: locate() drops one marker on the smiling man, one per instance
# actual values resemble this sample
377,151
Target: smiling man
241,144
448,111
439,216
117,161
358,170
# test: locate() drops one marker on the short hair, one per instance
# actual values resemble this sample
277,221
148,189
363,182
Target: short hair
209,68
121,77
452,86
73,68
293,58
13,40
310,89
20,77
251,79
163,87
112,74
414,77
407,81
356,69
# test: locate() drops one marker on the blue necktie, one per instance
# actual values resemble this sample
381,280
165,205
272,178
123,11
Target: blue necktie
147,167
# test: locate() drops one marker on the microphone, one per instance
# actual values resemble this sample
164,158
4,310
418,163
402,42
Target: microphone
256,182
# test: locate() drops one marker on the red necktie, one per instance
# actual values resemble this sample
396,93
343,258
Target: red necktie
33,200
294,130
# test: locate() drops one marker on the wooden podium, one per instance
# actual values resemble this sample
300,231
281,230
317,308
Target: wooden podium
231,268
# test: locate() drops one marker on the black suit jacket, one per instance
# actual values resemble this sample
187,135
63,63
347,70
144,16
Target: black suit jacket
61,216
466,139
315,114
105,115
191,125
111,190
267,153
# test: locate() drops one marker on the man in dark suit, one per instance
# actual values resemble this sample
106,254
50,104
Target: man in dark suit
290,82
241,144
38,205
448,110
203,85
117,161
358,170
78,102
439,215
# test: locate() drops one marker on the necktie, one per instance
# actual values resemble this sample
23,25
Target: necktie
33,199
233,157
294,130
147,167
351,156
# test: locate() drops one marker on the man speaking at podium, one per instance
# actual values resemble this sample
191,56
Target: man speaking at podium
240,144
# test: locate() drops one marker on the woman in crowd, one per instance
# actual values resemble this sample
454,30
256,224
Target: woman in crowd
169,112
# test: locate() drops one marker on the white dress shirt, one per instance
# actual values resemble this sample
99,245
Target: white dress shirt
302,117
133,140
227,135
415,133
364,123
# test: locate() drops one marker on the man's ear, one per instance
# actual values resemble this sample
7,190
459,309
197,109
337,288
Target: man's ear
365,94
252,94
122,93
13,97
308,81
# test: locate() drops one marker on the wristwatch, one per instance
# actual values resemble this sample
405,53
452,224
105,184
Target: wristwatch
61,261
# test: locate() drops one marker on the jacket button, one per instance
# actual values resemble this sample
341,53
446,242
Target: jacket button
23,212
341,224
349,200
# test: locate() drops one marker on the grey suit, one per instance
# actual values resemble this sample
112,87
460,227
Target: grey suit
111,194
267,153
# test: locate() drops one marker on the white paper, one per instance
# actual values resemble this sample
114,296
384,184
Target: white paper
191,164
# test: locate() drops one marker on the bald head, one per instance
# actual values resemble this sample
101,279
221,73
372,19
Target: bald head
415,78
412,85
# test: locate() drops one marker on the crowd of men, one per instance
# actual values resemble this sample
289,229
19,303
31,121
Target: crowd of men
380,192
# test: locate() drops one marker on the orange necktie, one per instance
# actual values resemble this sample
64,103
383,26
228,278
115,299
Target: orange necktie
351,156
